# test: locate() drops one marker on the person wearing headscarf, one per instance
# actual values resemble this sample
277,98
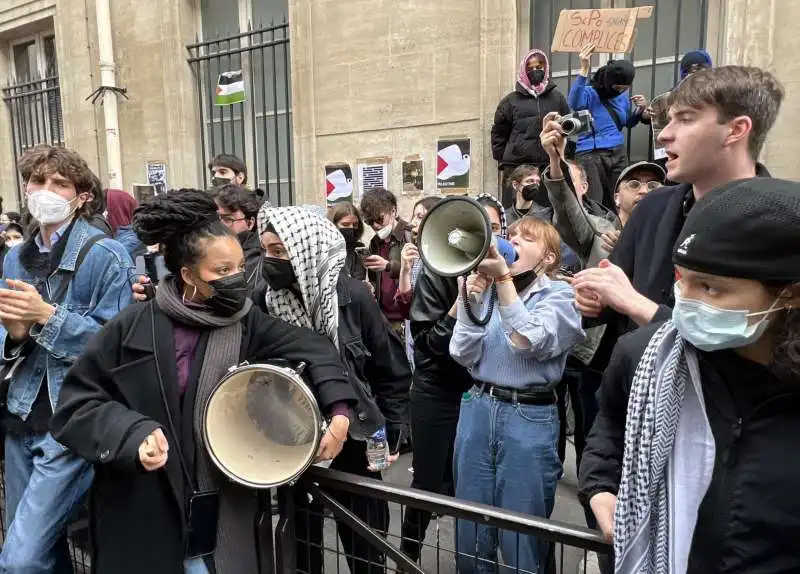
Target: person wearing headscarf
601,150
518,119
691,465
306,286
120,207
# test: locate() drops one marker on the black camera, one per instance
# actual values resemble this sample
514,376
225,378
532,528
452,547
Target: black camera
152,265
576,124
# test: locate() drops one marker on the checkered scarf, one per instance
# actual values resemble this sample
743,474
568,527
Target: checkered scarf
488,198
642,517
317,252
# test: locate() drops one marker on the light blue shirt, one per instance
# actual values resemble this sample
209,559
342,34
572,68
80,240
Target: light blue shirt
545,314
54,237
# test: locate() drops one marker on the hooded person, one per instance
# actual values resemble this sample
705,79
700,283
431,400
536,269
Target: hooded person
602,149
120,207
304,259
695,61
518,119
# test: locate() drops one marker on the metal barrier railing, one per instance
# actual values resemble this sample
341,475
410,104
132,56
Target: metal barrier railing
354,523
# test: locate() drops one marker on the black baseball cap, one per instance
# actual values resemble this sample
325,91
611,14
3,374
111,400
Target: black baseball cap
645,166
749,229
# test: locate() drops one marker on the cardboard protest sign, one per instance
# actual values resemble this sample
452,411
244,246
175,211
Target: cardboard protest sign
612,30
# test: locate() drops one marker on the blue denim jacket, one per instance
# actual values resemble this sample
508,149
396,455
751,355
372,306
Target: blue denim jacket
130,241
99,290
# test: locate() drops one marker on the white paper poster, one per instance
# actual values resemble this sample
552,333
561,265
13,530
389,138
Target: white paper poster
157,176
371,175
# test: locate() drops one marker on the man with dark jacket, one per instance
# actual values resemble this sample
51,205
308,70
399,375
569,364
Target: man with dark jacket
719,120
519,116
238,208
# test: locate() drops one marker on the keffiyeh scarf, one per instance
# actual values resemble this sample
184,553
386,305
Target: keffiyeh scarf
317,252
485,198
648,507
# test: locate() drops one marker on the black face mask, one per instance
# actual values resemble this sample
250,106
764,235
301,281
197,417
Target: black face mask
349,235
523,280
278,273
230,294
530,192
220,181
535,77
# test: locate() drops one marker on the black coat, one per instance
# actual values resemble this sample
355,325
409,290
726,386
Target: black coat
251,245
518,125
432,328
374,358
111,401
749,520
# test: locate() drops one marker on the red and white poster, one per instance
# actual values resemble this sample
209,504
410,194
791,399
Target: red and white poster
453,163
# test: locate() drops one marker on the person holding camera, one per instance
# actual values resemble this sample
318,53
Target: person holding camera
601,148
519,117
132,404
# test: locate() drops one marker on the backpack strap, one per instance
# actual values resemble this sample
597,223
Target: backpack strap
59,294
613,113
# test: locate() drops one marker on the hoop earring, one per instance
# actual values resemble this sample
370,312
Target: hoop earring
194,293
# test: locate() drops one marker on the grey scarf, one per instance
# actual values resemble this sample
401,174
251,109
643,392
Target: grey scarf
236,550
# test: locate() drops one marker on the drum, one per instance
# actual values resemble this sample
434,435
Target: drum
262,426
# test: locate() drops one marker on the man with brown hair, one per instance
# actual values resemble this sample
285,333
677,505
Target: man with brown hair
719,121
59,288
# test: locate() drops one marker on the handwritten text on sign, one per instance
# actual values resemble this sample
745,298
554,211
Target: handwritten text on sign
611,30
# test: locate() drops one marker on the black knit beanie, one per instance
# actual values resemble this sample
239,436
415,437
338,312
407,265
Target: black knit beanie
748,229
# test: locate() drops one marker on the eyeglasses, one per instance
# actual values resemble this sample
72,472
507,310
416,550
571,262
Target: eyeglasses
635,185
231,219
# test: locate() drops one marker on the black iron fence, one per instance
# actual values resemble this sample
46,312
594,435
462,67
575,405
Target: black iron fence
353,524
259,128
675,27
36,116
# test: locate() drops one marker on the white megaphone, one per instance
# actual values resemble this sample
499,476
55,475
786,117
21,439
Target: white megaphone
455,236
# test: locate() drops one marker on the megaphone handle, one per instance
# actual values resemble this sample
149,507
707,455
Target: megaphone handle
468,306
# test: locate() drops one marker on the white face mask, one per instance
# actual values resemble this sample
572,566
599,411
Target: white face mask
710,328
48,208
384,232
13,242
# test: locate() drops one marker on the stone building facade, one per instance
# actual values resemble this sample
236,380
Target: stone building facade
369,78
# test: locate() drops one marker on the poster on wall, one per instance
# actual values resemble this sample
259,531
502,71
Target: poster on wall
338,183
413,175
372,172
143,191
453,163
157,176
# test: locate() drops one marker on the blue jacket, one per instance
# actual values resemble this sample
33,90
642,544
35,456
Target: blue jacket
582,96
130,241
100,289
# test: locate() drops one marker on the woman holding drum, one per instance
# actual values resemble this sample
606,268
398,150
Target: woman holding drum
133,403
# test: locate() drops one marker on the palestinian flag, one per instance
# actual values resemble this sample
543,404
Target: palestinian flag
230,89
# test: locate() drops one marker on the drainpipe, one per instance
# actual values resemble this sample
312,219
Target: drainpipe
108,79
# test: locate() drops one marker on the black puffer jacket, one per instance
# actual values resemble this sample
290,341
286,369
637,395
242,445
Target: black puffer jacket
518,124
749,519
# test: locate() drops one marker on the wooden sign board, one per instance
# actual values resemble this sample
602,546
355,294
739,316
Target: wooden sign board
612,30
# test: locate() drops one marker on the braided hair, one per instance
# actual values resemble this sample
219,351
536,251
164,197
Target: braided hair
178,221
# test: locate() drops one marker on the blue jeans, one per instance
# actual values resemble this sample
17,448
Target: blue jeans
44,483
505,456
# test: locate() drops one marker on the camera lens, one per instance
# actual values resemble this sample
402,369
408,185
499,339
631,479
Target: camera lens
569,126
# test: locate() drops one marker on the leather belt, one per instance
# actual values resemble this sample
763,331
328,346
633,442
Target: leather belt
521,396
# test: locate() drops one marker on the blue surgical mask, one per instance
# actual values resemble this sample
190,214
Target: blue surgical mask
710,328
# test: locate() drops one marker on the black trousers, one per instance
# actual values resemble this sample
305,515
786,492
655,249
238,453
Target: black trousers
570,382
603,167
362,558
434,421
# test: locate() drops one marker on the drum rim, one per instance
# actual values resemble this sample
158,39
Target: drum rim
319,423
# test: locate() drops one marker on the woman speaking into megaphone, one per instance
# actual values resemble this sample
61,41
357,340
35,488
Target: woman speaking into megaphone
133,402
508,423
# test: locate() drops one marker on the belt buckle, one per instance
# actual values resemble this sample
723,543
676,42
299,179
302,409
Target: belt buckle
491,391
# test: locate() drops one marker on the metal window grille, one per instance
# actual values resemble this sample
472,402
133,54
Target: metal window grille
260,128
36,116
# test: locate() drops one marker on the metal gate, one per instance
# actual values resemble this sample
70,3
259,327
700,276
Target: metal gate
259,130
36,118
676,27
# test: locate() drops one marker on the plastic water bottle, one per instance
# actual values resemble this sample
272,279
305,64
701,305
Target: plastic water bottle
378,451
